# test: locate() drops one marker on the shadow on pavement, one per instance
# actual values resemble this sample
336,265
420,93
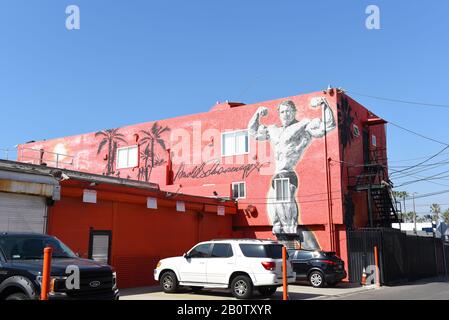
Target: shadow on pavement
214,293
419,281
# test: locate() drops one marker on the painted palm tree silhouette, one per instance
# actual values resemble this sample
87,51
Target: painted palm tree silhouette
345,121
111,137
150,139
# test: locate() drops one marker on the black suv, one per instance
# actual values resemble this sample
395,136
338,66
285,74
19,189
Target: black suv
319,268
21,259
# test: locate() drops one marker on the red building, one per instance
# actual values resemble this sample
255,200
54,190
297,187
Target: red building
128,224
304,168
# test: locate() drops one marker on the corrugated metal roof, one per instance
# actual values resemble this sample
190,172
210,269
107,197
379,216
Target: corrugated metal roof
33,171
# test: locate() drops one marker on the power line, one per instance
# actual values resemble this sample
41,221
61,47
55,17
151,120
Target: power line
423,179
399,100
409,173
422,162
426,195
412,159
418,134
434,164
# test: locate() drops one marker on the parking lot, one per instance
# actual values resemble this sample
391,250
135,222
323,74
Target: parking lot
296,292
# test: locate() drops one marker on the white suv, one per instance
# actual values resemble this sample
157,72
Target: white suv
239,264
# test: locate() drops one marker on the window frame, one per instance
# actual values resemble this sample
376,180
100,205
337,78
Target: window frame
244,189
201,244
92,234
227,244
235,144
284,200
356,130
250,254
136,146
373,140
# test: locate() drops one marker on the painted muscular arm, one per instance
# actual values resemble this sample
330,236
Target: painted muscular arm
256,130
318,127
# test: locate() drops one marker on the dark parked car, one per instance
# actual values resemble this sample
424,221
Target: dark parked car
319,268
21,259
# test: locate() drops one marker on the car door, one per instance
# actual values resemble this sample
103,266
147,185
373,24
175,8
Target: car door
221,263
193,266
3,270
301,263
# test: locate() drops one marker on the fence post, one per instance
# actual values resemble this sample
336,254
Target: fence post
445,261
376,261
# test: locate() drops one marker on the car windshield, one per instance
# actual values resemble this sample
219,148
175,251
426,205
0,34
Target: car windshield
32,247
273,251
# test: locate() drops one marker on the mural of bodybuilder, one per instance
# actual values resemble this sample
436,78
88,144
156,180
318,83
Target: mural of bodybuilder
289,142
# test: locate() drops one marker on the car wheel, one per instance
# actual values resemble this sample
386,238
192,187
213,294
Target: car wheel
316,279
17,296
169,282
242,287
267,291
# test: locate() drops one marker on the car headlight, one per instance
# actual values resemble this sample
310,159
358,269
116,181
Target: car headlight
55,283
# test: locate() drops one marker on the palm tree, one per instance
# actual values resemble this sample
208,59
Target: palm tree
408,216
446,216
345,122
402,195
150,139
436,210
111,137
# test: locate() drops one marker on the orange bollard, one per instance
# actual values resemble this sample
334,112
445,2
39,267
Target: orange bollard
376,261
46,269
284,273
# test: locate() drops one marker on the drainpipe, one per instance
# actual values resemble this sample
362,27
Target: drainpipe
329,205
328,185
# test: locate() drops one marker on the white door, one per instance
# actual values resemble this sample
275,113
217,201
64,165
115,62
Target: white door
221,264
22,213
100,245
193,268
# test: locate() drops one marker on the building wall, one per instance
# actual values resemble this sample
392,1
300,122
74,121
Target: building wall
198,167
352,159
140,236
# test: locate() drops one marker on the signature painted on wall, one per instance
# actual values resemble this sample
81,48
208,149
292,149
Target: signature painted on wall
205,170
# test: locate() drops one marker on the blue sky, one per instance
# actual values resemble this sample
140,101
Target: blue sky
136,61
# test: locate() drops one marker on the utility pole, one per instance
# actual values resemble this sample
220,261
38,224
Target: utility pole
405,210
414,211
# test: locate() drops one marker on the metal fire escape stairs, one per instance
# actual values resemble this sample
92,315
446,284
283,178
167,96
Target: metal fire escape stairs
382,205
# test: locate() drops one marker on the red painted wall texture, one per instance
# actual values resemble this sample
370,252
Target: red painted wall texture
195,139
140,236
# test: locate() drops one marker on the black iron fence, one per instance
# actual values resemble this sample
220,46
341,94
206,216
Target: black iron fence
402,257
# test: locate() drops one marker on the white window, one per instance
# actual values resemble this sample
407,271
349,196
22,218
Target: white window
180,206
127,157
356,131
151,203
281,187
374,140
238,190
234,143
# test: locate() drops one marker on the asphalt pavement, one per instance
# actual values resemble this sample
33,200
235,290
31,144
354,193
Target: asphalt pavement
428,289
296,292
